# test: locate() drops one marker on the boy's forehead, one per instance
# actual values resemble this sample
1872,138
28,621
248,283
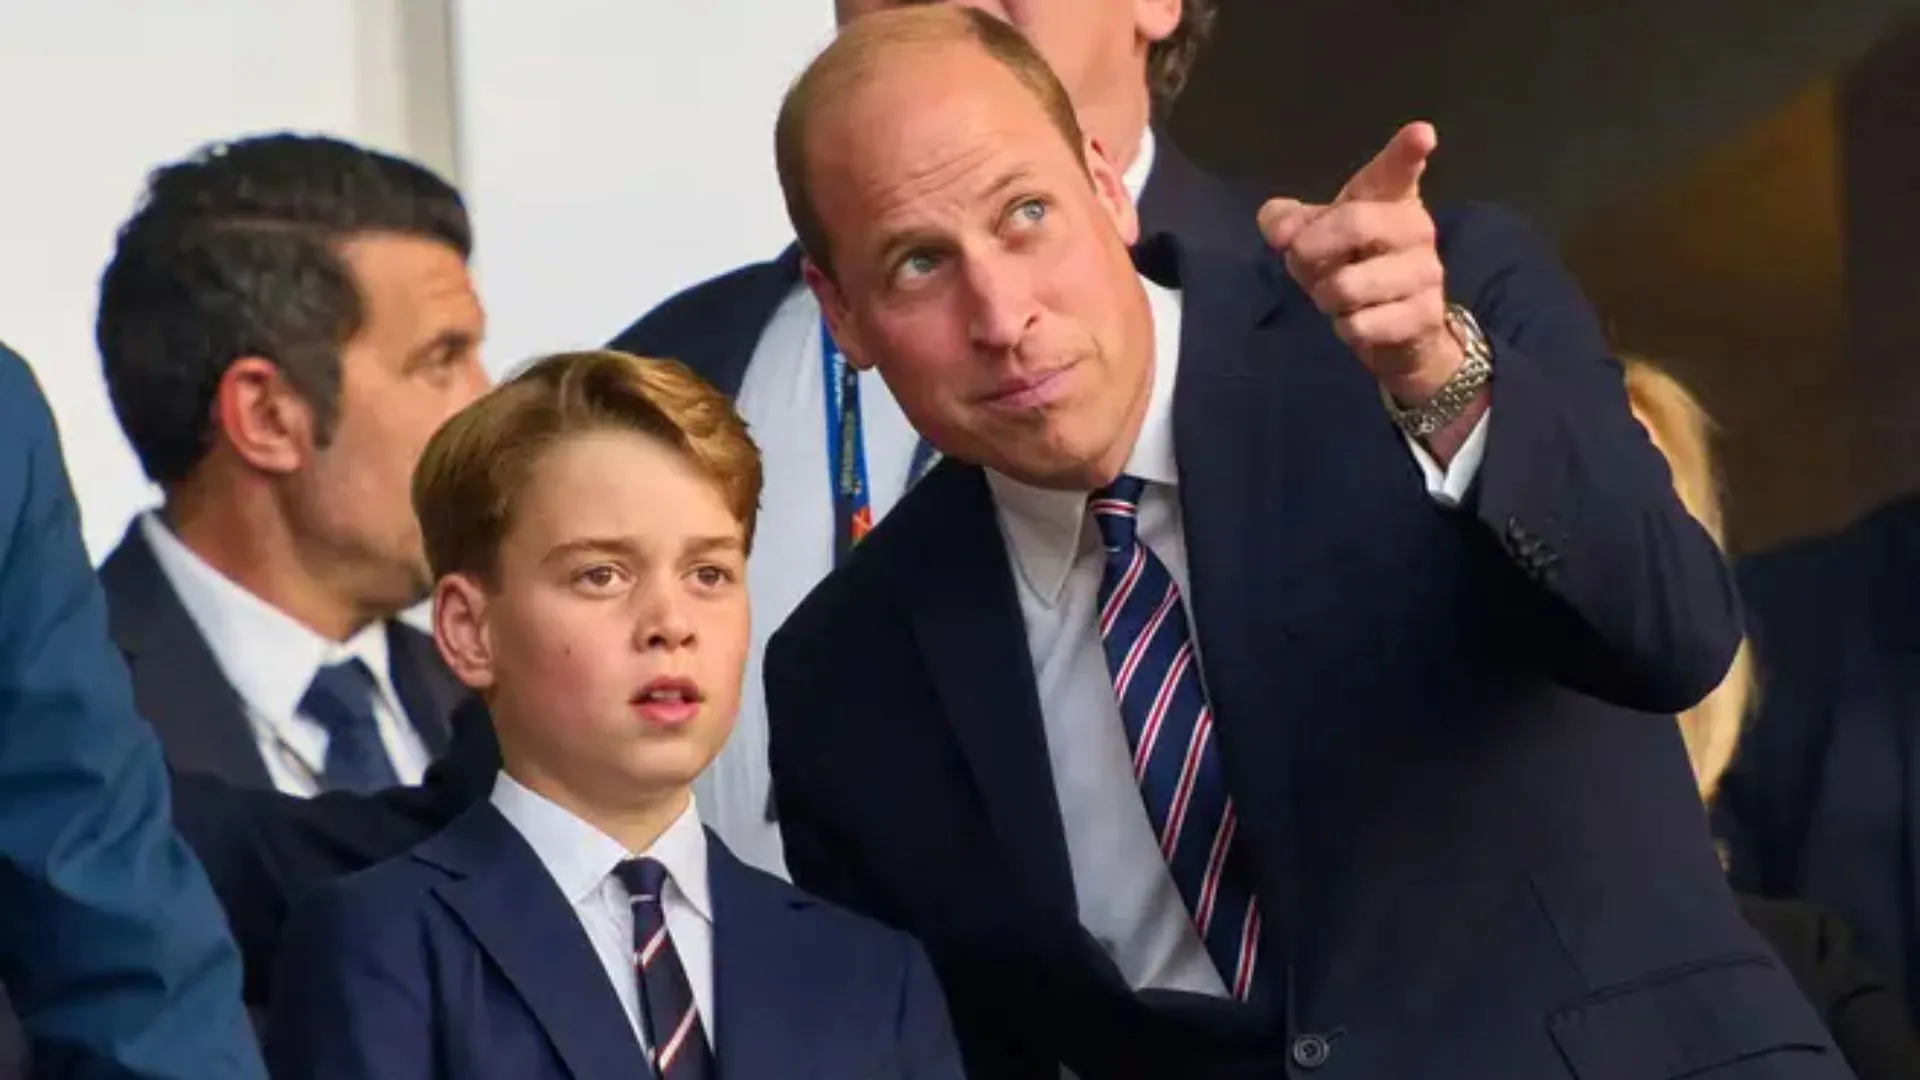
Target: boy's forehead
617,488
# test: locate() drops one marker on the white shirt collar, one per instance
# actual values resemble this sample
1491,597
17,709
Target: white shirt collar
581,858
1135,178
267,656
1045,528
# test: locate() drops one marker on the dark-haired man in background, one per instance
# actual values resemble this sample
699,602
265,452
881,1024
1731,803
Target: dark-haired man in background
284,323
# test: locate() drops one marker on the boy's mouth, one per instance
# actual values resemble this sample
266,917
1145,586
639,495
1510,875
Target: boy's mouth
668,701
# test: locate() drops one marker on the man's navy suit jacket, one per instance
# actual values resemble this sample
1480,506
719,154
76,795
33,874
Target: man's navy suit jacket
112,950
1823,799
1448,732
182,692
462,960
263,850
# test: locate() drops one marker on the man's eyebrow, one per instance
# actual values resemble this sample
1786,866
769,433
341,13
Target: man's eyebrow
907,240
446,341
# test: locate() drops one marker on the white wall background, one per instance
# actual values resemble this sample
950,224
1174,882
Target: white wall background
615,151
611,150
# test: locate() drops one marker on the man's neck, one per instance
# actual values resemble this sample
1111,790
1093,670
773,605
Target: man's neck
1116,123
251,546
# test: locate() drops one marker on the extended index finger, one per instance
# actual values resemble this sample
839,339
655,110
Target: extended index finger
1394,173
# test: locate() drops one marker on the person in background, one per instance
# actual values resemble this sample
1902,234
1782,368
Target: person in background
1868,1018
284,322
590,522
113,953
1258,688
1823,802
756,333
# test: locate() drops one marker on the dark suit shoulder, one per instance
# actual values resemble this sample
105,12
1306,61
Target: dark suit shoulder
1803,568
1867,1018
875,571
717,301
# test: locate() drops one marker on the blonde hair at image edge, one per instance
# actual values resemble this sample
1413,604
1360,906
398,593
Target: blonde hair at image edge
1683,432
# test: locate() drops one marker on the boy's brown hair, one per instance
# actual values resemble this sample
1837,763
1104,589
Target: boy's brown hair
471,474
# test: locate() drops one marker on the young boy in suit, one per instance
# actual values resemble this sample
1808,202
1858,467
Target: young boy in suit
589,523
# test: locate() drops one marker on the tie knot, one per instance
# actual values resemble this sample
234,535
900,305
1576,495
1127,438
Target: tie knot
340,696
1116,511
644,878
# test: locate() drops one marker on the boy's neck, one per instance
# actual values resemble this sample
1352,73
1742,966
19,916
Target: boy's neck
635,824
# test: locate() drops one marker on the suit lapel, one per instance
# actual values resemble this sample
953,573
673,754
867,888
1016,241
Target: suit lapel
966,619
508,902
428,691
177,683
764,972
1183,200
1233,445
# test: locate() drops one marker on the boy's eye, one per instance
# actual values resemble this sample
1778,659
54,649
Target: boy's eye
598,577
712,576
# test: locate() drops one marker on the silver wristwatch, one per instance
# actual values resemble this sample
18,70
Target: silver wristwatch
1460,389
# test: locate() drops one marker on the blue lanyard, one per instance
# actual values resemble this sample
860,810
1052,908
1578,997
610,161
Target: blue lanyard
847,450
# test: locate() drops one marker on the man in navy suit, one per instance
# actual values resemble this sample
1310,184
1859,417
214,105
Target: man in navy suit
1263,684
1823,800
112,950
756,333
285,321
590,523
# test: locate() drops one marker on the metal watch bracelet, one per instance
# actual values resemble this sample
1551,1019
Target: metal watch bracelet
1460,389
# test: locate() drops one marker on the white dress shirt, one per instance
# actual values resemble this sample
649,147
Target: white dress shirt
1128,899
783,400
270,658
582,859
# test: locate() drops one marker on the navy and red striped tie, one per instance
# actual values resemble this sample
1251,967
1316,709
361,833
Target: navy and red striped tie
1176,758
676,1042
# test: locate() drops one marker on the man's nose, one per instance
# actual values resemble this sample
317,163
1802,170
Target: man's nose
1003,306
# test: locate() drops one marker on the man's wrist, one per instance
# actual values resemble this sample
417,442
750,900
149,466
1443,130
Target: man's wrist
1446,387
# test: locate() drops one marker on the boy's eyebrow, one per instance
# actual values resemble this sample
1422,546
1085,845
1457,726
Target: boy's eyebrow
703,545
586,545
625,548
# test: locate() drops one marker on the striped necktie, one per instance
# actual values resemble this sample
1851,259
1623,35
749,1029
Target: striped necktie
1176,759
676,1042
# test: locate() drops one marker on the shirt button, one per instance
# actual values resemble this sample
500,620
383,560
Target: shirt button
1311,1051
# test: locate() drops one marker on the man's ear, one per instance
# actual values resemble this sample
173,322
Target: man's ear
833,307
1111,189
460,630
1156,20
263,418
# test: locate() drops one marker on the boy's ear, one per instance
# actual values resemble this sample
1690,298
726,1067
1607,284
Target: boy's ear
460,630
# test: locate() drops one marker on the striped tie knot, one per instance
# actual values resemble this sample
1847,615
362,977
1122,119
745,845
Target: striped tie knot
1116,512
644,878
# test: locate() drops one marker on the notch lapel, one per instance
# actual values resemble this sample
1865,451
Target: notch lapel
764,977
177,684
966,618
1240,410
509,903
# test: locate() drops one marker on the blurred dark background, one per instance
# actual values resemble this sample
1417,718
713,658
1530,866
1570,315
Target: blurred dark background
1736,184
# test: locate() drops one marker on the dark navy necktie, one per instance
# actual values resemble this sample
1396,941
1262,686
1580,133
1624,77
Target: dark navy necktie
676,1041
1176,758
340,699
